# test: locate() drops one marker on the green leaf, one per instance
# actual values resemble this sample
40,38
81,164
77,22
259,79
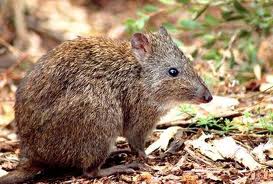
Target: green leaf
203,1
251,51
230,15
190,24
130,25
130,22
140,23
210,39
212,54
170,27
260,11
183,1
167,1
244,33
227,14
239,7
150,8
178,43
136,25
211,20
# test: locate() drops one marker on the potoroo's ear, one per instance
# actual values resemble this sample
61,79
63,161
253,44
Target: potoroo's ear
141,46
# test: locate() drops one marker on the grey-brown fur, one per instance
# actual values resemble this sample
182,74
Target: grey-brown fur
80,96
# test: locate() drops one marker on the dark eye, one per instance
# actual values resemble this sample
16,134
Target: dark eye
173,72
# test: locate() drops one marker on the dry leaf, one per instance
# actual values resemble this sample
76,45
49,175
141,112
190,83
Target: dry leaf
163,141
236,152
257,71
145,176
220,103
264,150
204,147
241,180
213,177
3,172
216,151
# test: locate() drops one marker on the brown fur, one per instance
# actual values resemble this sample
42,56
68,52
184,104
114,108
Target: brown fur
80,96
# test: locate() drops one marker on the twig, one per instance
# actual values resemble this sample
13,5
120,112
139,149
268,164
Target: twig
250,135
201,11
7,100
228,50
257,103
192,154
180,163
179,122
18,61
211,170
21,56
36,27
12,49
19,21
261,92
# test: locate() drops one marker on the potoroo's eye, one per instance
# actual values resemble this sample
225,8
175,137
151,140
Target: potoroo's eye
173,72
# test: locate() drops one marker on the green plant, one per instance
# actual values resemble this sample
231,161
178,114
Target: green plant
188,109
266,122
220,124
247,120
228,126
252,20
209,122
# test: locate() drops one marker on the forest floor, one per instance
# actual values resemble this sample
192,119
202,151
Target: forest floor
226,141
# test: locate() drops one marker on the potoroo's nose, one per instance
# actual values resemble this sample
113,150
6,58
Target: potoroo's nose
207,96
204,94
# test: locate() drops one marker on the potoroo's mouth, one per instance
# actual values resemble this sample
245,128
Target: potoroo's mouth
202,95
198,100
